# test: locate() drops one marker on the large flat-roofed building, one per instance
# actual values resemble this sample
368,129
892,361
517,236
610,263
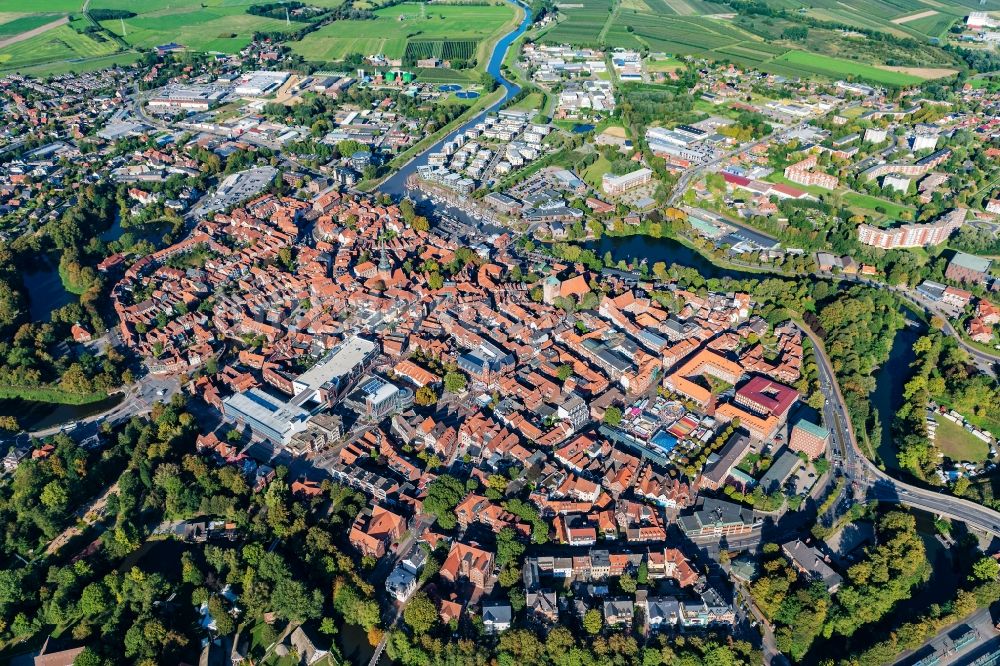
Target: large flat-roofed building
188,98
809,438
333,375
613,185
257,84
268,417
375,398
968,268
717,518
912,235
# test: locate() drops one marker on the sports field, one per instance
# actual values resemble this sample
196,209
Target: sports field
202,25
61,44
393,27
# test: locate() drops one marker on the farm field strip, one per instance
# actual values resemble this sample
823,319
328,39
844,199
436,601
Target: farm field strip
407,23
62,43
21,24
812,63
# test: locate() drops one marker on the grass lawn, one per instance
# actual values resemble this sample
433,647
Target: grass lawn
201,25
531,101
60,44
892,209
958,443
663,64
592,175
393,26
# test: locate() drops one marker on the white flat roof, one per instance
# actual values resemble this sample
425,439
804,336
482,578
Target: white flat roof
339,362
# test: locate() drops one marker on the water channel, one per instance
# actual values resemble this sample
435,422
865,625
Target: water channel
396,184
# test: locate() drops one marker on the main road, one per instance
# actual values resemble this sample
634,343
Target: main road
681,186
873,481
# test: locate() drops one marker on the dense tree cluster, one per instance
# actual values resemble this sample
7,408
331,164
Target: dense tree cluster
559,647
858,326
133,607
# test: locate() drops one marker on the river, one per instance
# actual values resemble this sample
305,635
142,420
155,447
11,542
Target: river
396,184
887,397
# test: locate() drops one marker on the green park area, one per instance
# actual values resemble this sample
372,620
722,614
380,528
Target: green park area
958,443
421,26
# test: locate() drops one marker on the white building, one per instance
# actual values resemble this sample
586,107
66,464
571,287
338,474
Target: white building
875,135
896,182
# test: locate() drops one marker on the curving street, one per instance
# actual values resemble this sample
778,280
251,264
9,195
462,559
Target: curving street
872,481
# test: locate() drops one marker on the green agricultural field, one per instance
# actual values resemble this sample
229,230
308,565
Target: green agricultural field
60,44
395,26
40,6
201,25
80,66
584,20
25,23
814,63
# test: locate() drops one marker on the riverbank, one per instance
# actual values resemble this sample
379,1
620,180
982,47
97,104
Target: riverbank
50,394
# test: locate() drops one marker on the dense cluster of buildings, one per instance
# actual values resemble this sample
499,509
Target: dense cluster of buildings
326,353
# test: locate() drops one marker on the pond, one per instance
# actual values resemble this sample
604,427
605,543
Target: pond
354,646
666,250
44,286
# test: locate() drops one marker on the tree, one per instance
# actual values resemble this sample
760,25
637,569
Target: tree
454,382
425,396
612,416
443,495
627,583
986,569
564,372
592,621
54,497
420,613
224,623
